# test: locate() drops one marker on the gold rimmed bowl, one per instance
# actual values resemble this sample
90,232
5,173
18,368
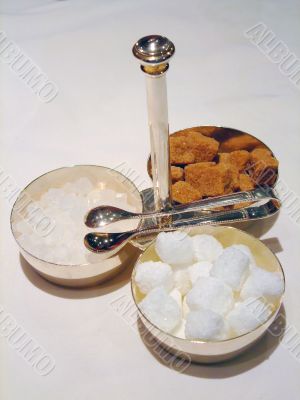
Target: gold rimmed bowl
101,267
212,351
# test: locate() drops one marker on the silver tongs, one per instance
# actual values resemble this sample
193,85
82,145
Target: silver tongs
263,203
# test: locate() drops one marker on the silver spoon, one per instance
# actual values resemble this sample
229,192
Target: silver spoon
99,242
104,215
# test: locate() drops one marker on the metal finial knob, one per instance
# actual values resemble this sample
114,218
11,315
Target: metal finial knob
153,50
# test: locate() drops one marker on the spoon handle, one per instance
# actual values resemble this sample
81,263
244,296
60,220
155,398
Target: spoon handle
102,242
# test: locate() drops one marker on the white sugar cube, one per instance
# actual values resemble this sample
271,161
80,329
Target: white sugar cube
185,308
212,294
206,248
182,280
180,330
198,270
232,267
246,250
248,315
174,248
151,274
161,309
176,295
226,332
262,283
204,325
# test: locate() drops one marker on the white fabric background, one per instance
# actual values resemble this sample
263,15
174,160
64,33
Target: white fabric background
99,117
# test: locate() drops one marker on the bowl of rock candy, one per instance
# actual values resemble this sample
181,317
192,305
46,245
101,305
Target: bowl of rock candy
209,293
47,222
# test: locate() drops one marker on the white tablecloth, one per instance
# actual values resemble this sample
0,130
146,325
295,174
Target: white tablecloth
218,77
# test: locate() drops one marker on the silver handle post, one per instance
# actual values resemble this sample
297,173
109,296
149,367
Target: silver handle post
154,52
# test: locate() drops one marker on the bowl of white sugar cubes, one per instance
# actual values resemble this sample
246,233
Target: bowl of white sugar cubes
208,293
47,221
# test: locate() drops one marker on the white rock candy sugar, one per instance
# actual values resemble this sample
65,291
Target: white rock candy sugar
211,294
65,207
161,309
206,248
262,283
152,274
248,315
174,248
232,267
206,325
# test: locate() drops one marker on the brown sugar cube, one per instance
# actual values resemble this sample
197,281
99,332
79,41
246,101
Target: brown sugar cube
238,158
204,130
263,167
206,164
209,130
260,153
180,151
192,147
212,180
224,158
204,148
264,175
235,181
237,162
182,133
240,142
245,183
176,174
183,192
